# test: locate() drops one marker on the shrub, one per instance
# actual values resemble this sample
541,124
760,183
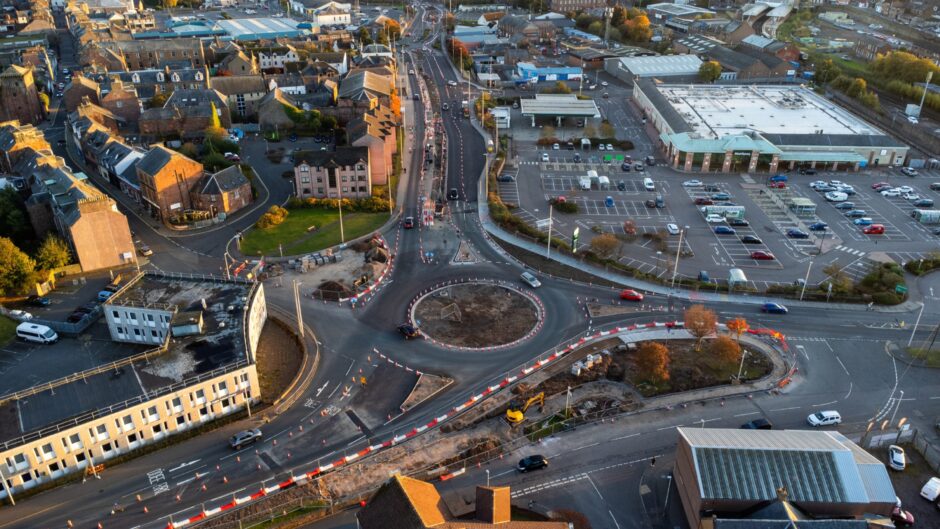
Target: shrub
274,216
886,298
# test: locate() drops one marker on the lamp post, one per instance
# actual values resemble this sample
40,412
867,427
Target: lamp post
675,267
805,280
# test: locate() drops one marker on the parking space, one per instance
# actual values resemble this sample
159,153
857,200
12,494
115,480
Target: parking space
565,183
621,208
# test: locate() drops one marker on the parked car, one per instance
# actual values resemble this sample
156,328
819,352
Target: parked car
534,462
601,147
408,223
923,203
931,490
822,188
845,205
818,226
734,221
704,201
530,280
762,256
935,186
408,331
609,202
650,203
773,308
874,229
905,189
104,295
724,230
21,315
75,317
245,437
909,171
836,196
721,197
631,295
863,221
890,193
758,424
544,156
610,147
816,183
855,213
777,185
38,301
824,418
713,218
692,183
897,459
555,147
910,196
751,239
625,167
808,171
902,518
672,229
144,250
621,185
711,188
878,185
794,233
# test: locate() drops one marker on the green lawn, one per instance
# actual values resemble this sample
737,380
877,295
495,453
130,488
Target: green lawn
293,235
7,329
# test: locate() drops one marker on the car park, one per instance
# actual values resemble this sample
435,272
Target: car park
408,223
692,183
758,424
734,221
713,218
534,462
855,213
672,229
897,459
818,226
773,308
874,229
530,280
631,295
751,239
794,233
824,418
245,437
845,205
863,221
724,230
762,256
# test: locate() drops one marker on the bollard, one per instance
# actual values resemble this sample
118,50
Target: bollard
138,498
69,524
224,479
238,459
258,466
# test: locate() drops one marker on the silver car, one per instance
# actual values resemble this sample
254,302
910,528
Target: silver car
245,437
530,280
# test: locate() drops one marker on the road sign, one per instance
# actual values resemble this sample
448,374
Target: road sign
900,289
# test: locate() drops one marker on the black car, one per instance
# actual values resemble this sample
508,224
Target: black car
621,185
38,301
408,331
923,203
794,233
808,171
737,222
625,167
758,424
845,205
711,188
650,203
76,317
751,239
535,462
506,178
452,194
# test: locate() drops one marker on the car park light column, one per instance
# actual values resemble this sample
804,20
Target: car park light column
675,267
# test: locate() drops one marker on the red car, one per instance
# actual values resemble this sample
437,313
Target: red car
877,185
762,256
631,295
874,229
777,185
704,201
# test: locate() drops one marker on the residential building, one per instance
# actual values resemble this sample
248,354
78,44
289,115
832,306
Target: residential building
166,178
157,53
343,173
149,83
289,83
83,216
747,62
272,111
276,56
415,504
822,473
366,86
77,90
242,93
121,99
564,6
338,60
16,139
19,97
239,63
226,191
114,123
377,130
186,114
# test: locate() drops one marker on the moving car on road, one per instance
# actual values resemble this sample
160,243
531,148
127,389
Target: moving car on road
758,424
631,295
245,437
824,418
533,462
408,331
409,223
774,308
530,280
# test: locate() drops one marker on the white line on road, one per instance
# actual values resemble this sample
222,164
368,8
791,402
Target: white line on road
183,465
612,518
356,440
831,350
338,384
825,403
504,473
667,428
591,481
240,452
325,384
585,446
748,413
351,364
851,385
787,409
843,365
625,437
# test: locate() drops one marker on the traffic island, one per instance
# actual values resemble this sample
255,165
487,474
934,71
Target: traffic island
477,315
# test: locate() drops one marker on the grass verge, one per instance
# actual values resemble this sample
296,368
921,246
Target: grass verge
293,237
929,357
7,330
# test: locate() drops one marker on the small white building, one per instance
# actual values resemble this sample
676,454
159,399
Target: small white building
502,116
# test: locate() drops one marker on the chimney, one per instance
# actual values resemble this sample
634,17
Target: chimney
493,505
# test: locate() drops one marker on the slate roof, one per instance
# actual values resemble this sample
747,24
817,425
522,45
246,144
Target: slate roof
364,84
343,156
224,181
154,161
238,84
834,140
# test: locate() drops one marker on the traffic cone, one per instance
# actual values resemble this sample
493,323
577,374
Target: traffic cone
178,497
238,459
69,524
138,498
203,487
100,526
146,510
224,479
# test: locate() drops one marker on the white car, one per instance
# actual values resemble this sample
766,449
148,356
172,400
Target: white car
610,147
905,189
603,83
672,229
530,280
837,183
21,315
601,147
713,218
913,120
693,183
909,171
897,459
836,196
818,183
451,83
911,196
555,147
824,418
931,489
544,156
890,193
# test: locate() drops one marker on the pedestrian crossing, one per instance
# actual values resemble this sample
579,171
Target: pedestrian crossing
857,253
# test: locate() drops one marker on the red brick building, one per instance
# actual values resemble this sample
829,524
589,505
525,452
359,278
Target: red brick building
166,178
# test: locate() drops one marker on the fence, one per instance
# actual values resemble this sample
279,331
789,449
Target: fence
930,451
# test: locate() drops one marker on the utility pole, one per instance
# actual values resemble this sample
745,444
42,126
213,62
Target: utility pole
675,267
339,190
741,367
924,95
548,243
7,489
917,322
806,279
300,321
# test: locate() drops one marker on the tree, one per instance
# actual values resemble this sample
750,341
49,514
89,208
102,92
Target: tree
700,322
652,362
44,100
364,37
726,349
53,253
393,29
738,326
18,269
159,99
826,71
605,245
637,29
857,88
395,102
596,27
619,16
14,222
709,71
548,132
607,131
560,87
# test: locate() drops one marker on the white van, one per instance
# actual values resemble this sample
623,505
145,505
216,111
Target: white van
32,332
648,184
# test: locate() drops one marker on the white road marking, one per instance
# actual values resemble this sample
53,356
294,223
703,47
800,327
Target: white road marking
625,437
851,385
825,403
787,409
183,465
585,446
843,365
612,518
748,413
325,384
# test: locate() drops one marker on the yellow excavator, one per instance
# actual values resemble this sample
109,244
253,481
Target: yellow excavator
515,413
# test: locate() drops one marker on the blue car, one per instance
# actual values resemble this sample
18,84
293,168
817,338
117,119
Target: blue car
818,226
724,230
609,202
864,221
774,308
721,196
794,233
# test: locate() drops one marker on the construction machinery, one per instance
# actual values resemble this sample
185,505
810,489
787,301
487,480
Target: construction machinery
515,413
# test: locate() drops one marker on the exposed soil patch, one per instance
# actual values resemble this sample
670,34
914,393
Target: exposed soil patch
427,386
597,310
476,315
554,268
279,357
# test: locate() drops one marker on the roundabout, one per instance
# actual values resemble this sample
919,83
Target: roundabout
476,315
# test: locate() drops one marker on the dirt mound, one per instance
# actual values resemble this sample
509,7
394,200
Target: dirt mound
333,290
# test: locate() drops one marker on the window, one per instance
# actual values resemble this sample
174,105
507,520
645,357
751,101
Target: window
225,403
116,315
157,428
319,190
319,179
180,420
128,423
79,457
153,334
106,447
177,404
136,332
305,180
150,317
132,438
345,178
223,389
361,167
74,442
101,432
345,189
54,467
200,396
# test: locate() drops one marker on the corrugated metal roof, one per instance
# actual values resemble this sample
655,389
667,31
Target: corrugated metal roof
662,65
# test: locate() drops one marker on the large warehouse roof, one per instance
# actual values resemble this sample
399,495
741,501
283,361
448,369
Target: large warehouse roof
661,66
562,105
814,466
261,28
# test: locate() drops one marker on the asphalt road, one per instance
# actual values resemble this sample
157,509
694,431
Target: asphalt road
843,365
